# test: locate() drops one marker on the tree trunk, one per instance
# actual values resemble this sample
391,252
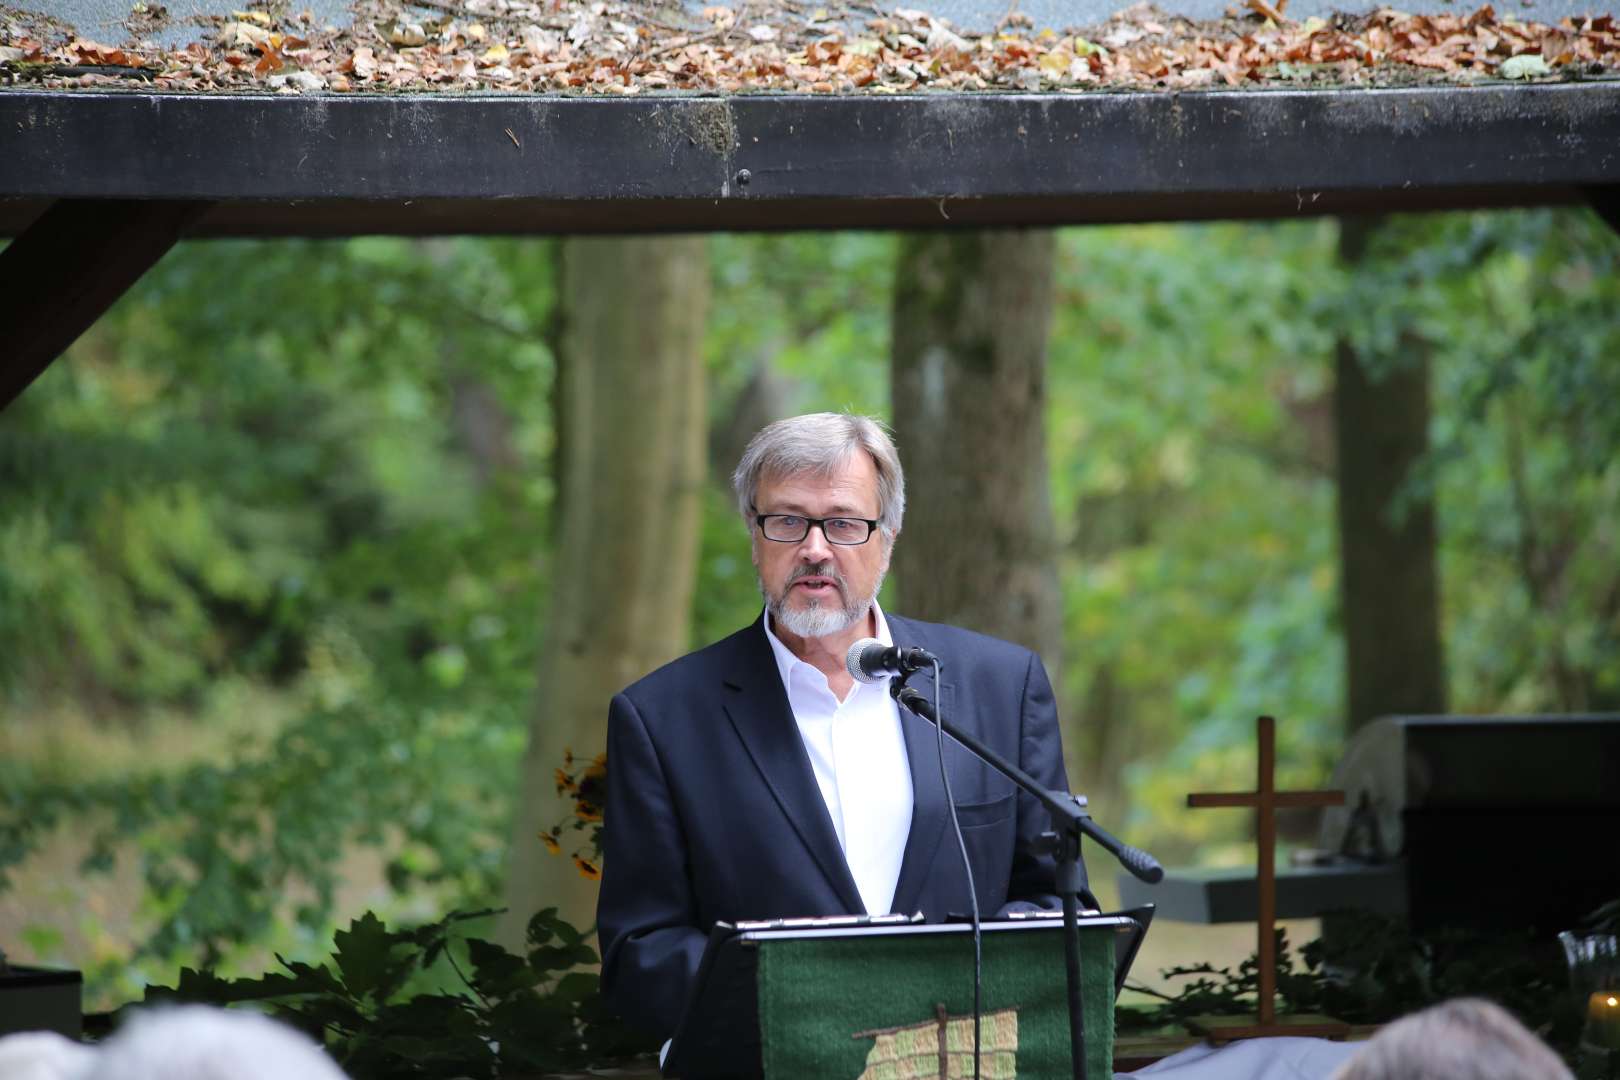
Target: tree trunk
972,311
1101,739
631,440
1389,584
482,426
479,419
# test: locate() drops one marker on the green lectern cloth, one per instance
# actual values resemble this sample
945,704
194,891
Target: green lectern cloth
852,1007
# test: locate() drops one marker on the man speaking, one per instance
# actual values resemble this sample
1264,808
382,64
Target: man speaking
757,779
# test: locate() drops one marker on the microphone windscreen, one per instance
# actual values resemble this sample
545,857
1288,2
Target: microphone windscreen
853,658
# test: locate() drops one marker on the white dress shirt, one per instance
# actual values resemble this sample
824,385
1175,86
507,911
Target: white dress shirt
859,756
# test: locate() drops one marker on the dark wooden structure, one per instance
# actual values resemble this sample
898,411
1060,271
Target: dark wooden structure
98,185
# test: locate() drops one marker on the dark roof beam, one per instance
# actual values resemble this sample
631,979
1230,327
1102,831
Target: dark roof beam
524,164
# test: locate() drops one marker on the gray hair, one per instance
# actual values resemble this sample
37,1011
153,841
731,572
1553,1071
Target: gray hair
196,1042
818,443
43,1055
1465,1039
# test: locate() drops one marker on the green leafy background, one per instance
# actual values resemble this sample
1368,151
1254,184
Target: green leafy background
268,616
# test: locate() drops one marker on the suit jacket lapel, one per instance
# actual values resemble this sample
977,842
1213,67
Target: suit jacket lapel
929,814
759,710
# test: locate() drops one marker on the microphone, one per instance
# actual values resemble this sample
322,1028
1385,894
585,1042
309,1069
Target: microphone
869,660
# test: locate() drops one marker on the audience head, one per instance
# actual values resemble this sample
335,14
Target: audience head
194,1042
1466,1039
189,1042
43,1055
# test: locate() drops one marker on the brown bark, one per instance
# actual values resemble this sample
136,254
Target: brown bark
766,397
1545,548
482,427
972,312
1389,581
630,399
479,419
1101,740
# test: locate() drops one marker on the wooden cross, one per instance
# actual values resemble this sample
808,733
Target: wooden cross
1267,800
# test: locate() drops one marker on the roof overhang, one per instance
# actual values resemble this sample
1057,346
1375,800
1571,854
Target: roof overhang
331,165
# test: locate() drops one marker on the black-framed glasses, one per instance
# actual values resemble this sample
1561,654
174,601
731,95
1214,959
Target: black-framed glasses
791,528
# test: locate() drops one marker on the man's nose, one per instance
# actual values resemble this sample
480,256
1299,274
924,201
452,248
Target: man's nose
814,547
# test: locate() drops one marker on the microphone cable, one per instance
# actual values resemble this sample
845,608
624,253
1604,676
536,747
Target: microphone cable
967,865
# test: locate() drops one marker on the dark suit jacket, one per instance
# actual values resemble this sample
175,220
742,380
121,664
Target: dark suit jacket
713,812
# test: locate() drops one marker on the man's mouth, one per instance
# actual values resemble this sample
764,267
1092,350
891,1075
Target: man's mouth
815,584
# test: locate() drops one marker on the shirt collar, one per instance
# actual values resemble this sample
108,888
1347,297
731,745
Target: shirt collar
786,661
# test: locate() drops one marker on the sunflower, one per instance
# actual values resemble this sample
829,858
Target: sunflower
550,840
587,869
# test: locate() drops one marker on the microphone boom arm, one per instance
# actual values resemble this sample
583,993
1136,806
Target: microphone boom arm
1069,811
1070,820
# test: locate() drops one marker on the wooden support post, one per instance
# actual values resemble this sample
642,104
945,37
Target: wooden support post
1605,200
68,268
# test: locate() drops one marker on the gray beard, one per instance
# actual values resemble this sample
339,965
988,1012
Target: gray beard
815,622
819,620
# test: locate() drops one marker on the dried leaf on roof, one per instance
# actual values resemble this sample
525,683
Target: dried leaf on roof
572,46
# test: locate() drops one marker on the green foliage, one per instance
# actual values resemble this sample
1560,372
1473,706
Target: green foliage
429,1002
303,466
727,594
1187,386
185,478
315,477
815,306
1535,438
1521,313
1192,460
1368,969
219,844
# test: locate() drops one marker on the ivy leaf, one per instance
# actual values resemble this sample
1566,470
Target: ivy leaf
539,1032
445,1042
543,926
550,958
209,988
577,987
496,972
433,937
605,1036
427,1012
365,956
318,1015
311,978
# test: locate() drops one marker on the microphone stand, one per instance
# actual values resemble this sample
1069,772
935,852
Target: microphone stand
1070,821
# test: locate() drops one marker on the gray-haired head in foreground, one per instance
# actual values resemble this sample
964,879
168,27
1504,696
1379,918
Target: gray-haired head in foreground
1466,1039
43,1055
195,1042
817,444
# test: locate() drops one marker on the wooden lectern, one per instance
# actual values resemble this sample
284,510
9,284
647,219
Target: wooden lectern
847,998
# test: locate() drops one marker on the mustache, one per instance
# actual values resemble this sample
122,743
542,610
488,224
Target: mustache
823,569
